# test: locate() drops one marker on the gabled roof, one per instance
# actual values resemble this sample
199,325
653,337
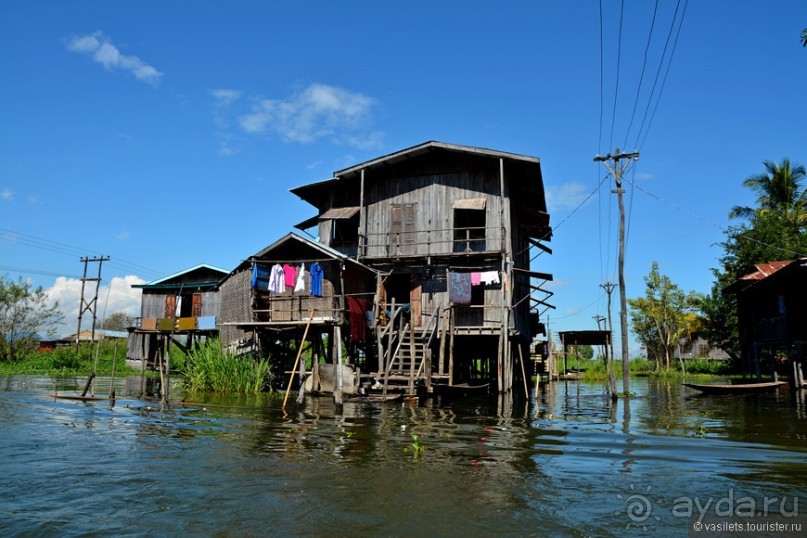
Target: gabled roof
763,272
430,146
313,192
166,282
293,238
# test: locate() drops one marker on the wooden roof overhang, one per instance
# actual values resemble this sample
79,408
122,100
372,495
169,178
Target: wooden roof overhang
585,338
296,244
532,192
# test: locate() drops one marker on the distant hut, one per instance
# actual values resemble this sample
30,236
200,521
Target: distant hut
182,307
452,231
772,317
268,300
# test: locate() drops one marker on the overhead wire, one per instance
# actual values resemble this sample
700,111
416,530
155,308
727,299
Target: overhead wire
71,250
719,227
666,73
641,76
618,62
658,73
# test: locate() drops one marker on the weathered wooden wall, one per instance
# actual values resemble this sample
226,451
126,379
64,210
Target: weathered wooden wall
236,305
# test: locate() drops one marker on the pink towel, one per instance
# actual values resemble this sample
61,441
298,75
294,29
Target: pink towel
476,279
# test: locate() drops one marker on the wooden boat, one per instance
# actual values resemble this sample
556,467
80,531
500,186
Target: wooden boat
372,398
461,388
736,389
77,397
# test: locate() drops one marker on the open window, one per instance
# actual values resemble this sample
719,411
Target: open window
469,225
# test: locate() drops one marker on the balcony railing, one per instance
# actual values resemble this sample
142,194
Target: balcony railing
432,242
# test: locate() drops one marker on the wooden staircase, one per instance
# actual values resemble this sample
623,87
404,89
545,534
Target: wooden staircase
406,354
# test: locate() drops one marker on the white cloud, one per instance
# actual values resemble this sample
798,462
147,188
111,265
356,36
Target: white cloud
122,236
565,196
121,298
6,194
225,97
318,111
102,51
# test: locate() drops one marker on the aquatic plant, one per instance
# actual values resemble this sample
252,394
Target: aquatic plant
210,369
416,447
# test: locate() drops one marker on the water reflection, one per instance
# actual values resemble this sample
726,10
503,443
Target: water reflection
561,464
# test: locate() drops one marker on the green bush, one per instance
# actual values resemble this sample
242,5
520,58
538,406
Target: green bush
209,369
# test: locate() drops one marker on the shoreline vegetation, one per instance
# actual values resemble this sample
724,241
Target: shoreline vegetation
211,370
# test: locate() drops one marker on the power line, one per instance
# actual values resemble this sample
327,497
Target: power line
658,73
667,72
70,250
719,227
618,62
26,271
641,76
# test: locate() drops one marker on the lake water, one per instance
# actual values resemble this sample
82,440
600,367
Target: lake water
566,463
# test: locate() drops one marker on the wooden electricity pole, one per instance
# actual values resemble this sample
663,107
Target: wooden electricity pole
609,287
617,169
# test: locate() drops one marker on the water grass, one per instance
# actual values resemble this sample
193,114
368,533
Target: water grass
210,369
71,361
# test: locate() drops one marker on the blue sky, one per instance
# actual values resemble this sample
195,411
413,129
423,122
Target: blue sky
167,134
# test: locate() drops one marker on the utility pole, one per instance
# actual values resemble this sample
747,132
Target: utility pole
617,169
609,287
92,304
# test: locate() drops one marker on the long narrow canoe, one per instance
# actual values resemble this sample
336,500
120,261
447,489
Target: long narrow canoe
736,389
76,397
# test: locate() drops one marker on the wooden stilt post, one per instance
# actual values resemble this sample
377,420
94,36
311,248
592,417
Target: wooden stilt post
315,357
523,372
337,393
451,331
412,357
297,360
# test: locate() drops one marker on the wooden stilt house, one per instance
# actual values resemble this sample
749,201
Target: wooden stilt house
182,306
269,299
772,318
451,231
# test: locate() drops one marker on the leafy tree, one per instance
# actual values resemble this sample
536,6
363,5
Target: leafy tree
779,192
774,230
117,321
663,317
804,38
24,314
585,351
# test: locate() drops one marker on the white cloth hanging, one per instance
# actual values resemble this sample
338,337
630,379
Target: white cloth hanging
300,286
277,280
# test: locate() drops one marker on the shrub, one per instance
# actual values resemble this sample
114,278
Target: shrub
210,369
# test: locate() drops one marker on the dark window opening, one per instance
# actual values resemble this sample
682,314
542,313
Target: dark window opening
469,230
398,287
345,232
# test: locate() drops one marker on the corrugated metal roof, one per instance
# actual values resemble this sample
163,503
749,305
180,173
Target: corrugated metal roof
223,272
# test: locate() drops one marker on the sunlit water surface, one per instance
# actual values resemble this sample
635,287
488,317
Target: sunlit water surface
567,462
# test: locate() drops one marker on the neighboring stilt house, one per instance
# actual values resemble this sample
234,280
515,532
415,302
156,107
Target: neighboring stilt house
269,299
772,318
452,231
182,306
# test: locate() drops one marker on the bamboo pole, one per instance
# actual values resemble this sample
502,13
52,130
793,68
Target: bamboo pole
297,360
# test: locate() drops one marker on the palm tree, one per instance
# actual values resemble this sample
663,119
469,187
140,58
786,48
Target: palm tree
779,190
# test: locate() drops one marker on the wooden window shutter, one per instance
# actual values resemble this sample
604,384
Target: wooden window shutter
409,224
170,306
196,309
